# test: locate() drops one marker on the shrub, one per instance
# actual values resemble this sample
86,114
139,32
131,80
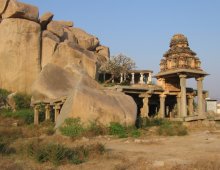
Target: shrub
172,129
27,115
135,133
5,149
57,153
22,101
95,129
3,96
72,127
118,130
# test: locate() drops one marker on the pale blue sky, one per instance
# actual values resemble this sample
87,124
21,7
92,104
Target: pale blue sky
142,29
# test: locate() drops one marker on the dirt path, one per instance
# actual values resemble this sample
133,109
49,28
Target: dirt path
198,150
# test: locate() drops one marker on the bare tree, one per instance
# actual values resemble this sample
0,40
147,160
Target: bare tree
117,65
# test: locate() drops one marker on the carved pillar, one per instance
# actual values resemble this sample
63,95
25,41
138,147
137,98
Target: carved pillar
36,114
178,101
141,78
183,95
200,95
190,105
132,78
47,112
121,78
145,108
57,111
149,80
162,106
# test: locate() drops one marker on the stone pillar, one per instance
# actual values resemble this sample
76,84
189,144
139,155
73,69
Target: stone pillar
141,78
149,80
162,106
178,100
190,105
57,111
145,108
200,95
103,77
132,78
183,95
47,112
36,114
121,78
124,76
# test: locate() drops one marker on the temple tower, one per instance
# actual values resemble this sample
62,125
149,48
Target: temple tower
178,64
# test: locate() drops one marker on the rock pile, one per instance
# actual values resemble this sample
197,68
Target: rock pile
51,59
28,43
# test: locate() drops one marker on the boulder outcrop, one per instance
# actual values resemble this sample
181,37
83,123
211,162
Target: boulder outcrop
52,59
19,54
86,98
85,40
17,9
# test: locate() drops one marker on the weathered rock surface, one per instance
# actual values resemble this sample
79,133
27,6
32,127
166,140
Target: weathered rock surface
55,82
85,40
69,36
66,23
56,28
103,52
91,104
17,9
48,48
50,35
45,19
86,99
19,54
3,4
69,54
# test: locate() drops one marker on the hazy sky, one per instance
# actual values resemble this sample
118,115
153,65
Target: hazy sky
142,29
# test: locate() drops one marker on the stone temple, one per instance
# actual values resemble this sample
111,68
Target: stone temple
170,98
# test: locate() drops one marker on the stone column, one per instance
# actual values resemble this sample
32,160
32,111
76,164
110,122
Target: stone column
162,106
190,105
57,111
200,95
103,77
149,80
145,108
183,95
178,100
141,78
36,114
132,78
121,78
47,112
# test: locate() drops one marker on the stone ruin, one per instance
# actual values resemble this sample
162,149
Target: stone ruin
57,64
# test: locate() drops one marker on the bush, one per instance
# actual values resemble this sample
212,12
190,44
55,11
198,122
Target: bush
27,115
172,129
118,130
3,96
57,153
135,133
72,127
95,129
22,101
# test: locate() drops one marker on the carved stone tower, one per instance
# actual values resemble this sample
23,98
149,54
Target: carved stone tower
178,64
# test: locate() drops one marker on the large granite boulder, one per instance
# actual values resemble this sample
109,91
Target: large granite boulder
17,9
3,5
85,40
48,48
90,104
56,28
85,97
55,82
19,54
45,19
70,54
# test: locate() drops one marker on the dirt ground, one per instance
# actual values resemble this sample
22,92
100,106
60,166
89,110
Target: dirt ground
200,150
